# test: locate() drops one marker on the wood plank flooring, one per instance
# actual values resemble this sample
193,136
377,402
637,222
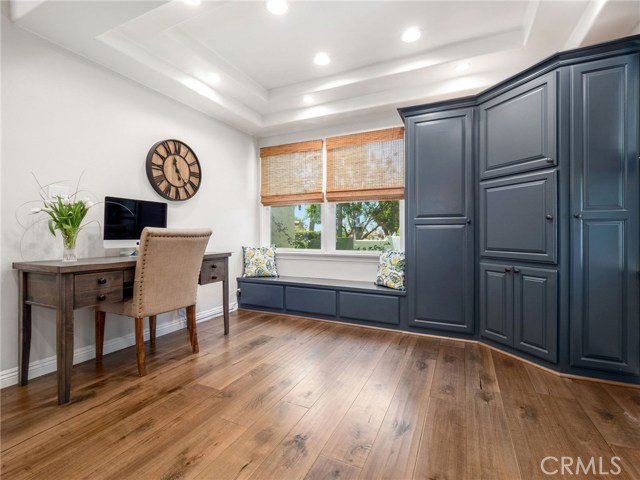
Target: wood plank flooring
294,398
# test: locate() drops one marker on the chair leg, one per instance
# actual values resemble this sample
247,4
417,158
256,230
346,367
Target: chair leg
152,331
99,320
142,371
191,323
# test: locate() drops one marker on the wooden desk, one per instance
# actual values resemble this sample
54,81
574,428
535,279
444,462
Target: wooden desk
65,286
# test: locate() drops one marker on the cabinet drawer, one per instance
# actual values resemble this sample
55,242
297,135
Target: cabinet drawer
213,271
94,288
311,300
257,295
375,308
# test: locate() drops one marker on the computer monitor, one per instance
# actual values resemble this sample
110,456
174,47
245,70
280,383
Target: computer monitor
124,219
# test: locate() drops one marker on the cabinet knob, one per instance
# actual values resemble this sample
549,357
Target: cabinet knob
102,297
213,277
214,265
102,280
515,270
577,215
549,216
548,160
508,269
468,221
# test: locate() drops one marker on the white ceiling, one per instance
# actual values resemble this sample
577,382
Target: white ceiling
264,62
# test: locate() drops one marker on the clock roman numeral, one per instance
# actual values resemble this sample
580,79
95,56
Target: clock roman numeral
187,192
155,166
158,178
167,189
167,149
194,174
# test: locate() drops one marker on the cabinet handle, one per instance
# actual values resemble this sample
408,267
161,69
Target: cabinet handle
102,280
549,216
508,269
548,160
577,215
102,297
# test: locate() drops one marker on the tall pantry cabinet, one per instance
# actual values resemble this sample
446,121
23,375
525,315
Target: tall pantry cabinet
522,213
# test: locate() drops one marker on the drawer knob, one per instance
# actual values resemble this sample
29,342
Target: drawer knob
214,266
213,277
102,280
515,270
577,215
102,297
507,269
549,160
549,216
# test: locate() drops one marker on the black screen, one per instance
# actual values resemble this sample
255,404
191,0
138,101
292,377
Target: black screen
124,218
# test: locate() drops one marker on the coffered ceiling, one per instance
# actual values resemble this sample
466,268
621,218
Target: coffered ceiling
237,62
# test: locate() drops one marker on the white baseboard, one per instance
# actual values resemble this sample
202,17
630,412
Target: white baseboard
47,365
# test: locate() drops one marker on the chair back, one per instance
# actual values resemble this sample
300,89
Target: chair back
168,269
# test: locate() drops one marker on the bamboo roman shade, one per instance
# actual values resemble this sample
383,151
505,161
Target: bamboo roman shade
366,166
292,174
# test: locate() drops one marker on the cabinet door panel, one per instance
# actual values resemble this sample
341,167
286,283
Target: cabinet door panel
518,217
496,303
443,298
518,129
535,311
605,315
441,146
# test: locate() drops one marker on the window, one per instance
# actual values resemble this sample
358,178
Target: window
342,194
372,226
297,226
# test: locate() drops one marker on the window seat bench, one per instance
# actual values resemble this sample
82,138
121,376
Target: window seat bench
342,300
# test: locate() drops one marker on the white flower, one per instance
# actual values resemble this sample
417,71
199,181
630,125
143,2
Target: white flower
88,203
35,210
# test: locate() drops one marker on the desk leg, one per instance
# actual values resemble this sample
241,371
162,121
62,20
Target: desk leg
64,337
225,303
24,320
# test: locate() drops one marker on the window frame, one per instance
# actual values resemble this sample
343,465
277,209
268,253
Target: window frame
328,218
328,238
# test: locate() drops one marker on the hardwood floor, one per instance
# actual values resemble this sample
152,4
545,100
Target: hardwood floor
285,398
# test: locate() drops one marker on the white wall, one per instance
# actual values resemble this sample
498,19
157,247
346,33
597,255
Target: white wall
61,115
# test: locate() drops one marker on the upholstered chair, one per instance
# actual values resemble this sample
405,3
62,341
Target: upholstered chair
166,279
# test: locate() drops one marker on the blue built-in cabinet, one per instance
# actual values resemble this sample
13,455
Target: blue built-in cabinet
521,224
552,216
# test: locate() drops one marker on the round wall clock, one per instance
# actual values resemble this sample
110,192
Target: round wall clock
173,170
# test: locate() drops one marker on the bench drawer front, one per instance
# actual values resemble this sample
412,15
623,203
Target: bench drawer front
375,308
311,300
94,288
269,296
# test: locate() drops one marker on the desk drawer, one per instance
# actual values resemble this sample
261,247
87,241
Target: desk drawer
94,288
213,271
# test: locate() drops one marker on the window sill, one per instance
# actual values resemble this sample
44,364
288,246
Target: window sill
361,257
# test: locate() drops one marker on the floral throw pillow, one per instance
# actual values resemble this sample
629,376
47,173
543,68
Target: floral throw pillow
259,262
391,270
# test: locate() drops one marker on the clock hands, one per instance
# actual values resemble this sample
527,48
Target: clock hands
175,166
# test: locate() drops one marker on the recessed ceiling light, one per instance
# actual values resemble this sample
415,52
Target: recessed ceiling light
212,77
461,67
193,3
277,7
308,99
321,59
411,34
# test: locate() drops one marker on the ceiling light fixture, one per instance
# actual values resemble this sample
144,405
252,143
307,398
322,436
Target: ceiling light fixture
308,99
193,3
277,7
321,59
461,67
411,34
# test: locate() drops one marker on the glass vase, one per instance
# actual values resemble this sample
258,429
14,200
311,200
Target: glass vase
69,244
